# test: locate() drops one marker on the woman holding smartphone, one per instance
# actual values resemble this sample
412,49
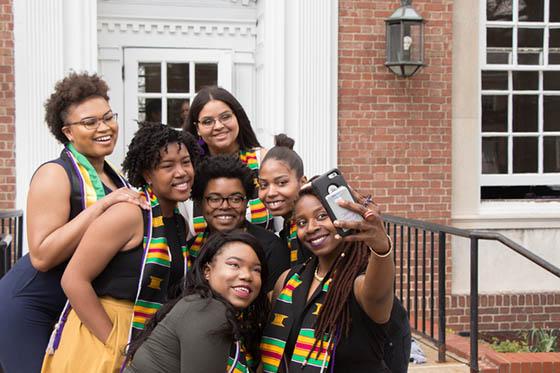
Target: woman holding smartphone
280,177
331,312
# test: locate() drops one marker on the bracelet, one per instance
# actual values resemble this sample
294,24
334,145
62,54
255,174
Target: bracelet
388,251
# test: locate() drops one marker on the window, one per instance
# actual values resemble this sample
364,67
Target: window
520,100
168,84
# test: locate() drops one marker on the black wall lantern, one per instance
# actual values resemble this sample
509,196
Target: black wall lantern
405,40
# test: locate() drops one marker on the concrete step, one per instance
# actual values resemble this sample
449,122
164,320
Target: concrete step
453,363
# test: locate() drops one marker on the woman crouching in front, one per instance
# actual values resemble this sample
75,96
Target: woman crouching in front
330,313
216,324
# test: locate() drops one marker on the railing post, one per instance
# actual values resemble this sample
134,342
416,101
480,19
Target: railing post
474,305
441,299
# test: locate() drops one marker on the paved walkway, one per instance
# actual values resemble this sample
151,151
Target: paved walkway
452,365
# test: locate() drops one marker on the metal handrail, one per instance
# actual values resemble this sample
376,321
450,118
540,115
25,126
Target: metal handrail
11,224
442,230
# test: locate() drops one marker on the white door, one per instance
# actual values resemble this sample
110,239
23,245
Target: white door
160,83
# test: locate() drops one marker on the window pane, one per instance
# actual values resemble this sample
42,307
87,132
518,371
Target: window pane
494,113
554,45
177,109
494,80
531,10
525,155
530,44
205,74
494,155
554,10
551,80
149,77
497,10
551,113
149,110
525,113
498,45
178,77
551,154
525,80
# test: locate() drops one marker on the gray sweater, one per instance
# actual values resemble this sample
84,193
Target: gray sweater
188,339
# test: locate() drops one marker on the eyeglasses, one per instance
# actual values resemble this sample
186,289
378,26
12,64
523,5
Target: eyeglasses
215,201
92,123
224,118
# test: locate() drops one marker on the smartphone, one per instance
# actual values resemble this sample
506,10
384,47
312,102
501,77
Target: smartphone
331,187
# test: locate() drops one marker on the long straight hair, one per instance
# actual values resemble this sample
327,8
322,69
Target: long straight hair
246,139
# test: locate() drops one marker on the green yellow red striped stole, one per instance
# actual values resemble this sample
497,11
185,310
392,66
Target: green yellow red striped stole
195,243
292,242
259,213
155,272
239,360
308,353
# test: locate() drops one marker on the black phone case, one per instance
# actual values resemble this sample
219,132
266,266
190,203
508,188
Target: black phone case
321,186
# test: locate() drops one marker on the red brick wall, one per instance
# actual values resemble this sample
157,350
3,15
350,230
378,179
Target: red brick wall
395,133
7,107
502,312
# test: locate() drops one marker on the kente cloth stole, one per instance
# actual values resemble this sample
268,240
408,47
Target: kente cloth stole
292,241
284,314
194,247
258,212
156,264
91,190
239,360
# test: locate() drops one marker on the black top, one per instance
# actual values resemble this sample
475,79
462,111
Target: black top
121,276
277,256
174,228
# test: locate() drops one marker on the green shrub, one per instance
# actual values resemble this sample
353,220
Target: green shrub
542,340
509,346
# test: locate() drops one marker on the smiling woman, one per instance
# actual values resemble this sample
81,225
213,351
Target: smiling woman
221,188
223,128
116,287
65,196
216,324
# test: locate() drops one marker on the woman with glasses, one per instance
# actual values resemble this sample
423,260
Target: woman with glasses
129,262
65,196
221,188
222,127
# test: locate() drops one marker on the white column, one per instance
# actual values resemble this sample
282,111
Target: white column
297,62
270,70
51,37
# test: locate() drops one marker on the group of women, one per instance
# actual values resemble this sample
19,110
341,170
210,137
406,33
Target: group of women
136,274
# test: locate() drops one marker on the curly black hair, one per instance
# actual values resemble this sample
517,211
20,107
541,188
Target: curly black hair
215,167
144,149
73,89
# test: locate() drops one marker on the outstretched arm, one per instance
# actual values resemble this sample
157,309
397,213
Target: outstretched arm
52,238
120,228
374,289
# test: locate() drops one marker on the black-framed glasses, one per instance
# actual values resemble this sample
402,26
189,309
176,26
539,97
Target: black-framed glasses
215,200
92,123
224,118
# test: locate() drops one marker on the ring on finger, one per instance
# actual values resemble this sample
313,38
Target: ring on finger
367,200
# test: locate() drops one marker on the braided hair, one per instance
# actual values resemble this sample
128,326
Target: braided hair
334,318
